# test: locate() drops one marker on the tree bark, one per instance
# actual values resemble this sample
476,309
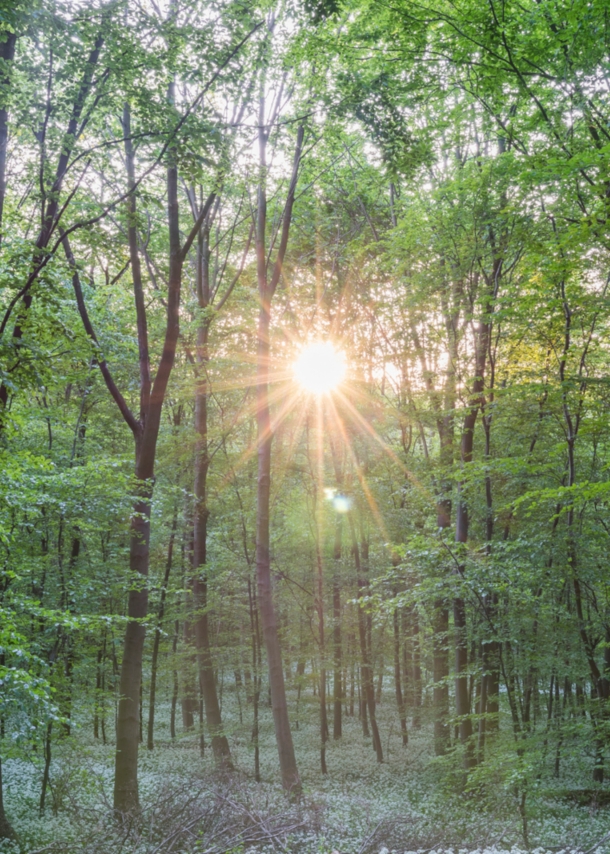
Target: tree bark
440,642
283,735
155,653
266,289
256,677
417,683
402,711
175,684
368,688
7,55
482,342
146,431
321,637
220,744
338,690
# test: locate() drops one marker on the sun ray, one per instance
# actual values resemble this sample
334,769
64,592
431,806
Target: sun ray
274,395
365,487
311,373
298,431
386,448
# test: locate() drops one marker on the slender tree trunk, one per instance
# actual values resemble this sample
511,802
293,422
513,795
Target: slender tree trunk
70,605
283,735
488,710
201,732
337,651
368,688
256,678
47,766
417,682
175,683
338,685
379,688
220,744
440,623
600,677
362,706
266,288
318,479
443,403
7,54
402,711
157,640
98,685
462,700
320,609
440,642
99,690
188,660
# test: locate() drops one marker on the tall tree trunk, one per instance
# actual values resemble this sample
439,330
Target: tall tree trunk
443,402
321,638
126,796
338,691
99,719
283,735
188,698
402,711
338,686
7,54
600,677
462,698
482,343
175,683
440,668
488,705
417,682
160,615
266,288
47,766
368,688
256,677
220,744
146,432
318,485
440,637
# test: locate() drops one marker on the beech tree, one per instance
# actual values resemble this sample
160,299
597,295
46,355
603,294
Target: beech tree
191,197
268,278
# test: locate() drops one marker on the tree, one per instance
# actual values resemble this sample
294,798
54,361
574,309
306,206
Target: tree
268,280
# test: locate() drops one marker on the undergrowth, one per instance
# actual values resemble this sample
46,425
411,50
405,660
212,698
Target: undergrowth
411,802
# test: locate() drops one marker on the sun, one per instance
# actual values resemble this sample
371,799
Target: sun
320,367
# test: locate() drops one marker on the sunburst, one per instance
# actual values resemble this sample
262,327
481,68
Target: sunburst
320,368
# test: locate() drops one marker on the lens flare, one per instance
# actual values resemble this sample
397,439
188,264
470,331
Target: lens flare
319,368
341,503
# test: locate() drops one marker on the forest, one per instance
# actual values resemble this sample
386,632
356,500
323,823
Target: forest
304,426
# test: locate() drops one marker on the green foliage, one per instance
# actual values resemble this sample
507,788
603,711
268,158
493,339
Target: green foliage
450,234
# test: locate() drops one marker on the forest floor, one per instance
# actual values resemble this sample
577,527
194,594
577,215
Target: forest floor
405,804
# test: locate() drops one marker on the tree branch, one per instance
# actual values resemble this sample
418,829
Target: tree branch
133,424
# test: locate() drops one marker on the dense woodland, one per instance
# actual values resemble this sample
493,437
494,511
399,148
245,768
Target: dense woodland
231,604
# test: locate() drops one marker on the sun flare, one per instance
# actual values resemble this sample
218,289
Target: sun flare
320,367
